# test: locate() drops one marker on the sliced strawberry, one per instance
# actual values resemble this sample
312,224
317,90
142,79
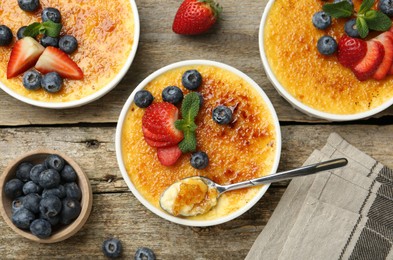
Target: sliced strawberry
24,55
153,143
369,64
386,39
168,155
161,137
158,123
351,51
53,59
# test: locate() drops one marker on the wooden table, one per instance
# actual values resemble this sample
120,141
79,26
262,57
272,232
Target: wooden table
87,134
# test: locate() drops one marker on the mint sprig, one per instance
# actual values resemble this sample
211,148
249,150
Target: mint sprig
338,10
189,110
48,28
366,19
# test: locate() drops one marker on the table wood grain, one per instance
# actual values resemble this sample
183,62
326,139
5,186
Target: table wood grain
87,134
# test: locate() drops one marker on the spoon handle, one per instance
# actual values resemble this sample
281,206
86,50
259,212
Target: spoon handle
302,171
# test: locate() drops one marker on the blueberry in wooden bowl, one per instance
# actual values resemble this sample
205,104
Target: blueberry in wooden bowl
45,196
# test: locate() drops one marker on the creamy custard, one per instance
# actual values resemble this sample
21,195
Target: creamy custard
240,151
318,81
104,31
189,197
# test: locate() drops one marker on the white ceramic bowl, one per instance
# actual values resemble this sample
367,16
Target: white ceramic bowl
295,102
119,152
95,95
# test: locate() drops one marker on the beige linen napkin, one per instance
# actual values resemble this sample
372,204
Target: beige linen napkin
340,214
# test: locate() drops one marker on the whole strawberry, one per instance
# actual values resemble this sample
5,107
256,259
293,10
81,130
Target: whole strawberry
196,16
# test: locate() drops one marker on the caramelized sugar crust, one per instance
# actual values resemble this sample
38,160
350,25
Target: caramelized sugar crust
105,33
317,81
240,151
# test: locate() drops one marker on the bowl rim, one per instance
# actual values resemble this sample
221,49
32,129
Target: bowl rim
86,201
96,95
119,153
292,100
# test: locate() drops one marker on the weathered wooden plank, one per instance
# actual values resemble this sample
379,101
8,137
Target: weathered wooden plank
94,149
234,41
122,216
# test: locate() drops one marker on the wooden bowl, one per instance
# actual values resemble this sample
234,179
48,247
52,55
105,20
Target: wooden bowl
63,232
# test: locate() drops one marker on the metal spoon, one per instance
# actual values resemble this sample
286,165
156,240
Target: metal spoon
220,189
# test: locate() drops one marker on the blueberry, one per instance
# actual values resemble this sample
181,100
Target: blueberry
70,210
52,82
143,98
50,206
32,202
327,45
23,171
199,160
36,171
200,99
386,7
17,204
49,179
32,80
52,14
49,41
29,5
5,35
172,94
31,187
321,20
144,253
350,28
58,192
68,174
222,115
54,162
13,188
22,218
68,44
73,191
112,247
191,79
41,228
19,33
52,220
349,1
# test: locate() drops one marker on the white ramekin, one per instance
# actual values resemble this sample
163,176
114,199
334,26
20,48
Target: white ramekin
295,102
119,152
99,93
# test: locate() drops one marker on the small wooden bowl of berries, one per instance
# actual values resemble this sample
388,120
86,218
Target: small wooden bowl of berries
45,196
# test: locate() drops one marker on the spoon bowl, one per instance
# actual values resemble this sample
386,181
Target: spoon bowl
197,195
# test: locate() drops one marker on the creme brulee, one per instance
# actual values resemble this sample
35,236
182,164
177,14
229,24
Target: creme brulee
243,150
318,81
105,34
189,197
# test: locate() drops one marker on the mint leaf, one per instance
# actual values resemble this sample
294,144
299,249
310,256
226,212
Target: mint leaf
52,29
361,26
190,106
32,30
365,6
189,110
377,20
48,28
188,144
338,10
